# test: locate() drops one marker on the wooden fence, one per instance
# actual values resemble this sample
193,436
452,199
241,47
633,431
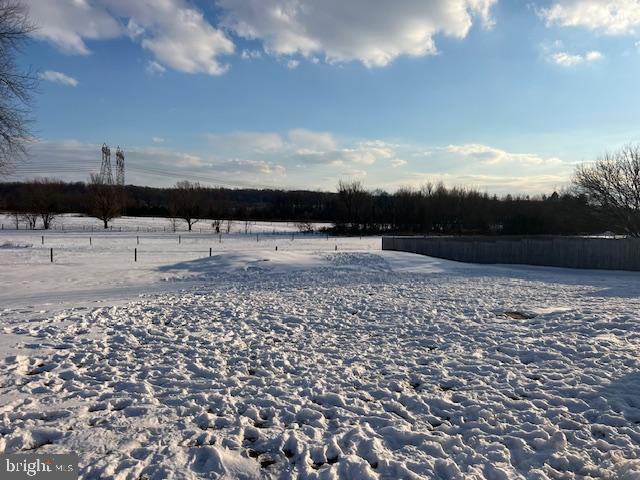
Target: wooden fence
571,252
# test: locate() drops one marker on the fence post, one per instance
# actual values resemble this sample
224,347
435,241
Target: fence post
43,239
219,238
52,255
137,240
89,240
179,239
276,248
210,251
135,254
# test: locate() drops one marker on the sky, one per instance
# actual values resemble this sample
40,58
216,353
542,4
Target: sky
498,95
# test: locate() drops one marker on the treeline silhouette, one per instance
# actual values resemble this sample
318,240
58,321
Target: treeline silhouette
352,209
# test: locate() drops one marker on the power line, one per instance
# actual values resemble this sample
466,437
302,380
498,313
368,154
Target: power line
50,168
82,167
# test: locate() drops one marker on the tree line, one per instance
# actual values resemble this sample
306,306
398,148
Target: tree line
186,201
353,209
605,196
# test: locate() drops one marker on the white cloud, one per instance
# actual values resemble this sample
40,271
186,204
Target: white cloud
555,52
372,32
566,59
353,173
154,68
593,56
58,77
175,32
188,160
397,162
499,184
303,147
68,23
612,17
493,156
245,142
309,139
241,166
227,170
295,140
179,36
157,139
133,29
365,153
184,41
251,54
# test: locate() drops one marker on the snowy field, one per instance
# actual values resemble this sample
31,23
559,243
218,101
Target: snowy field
310,362
81,223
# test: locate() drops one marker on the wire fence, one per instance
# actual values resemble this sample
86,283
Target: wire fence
163,247
129,229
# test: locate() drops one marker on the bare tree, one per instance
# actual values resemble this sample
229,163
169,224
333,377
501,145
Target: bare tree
30,218
47,218
43,199
304,227
612,183
104,200
352,198
187,202
15,85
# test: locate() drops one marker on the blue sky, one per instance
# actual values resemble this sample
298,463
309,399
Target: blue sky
504,96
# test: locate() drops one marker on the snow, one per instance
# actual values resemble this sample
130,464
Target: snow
81,223
314,363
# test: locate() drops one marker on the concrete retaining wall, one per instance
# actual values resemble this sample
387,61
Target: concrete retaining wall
572,252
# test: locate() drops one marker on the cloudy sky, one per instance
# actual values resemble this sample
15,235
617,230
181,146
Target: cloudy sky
500,95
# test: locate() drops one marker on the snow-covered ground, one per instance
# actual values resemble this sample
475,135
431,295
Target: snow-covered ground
312,362
82,223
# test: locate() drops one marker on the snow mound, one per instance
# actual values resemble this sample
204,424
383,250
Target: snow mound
8,245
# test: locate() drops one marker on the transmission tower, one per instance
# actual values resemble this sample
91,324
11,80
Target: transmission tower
119,167
105,168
